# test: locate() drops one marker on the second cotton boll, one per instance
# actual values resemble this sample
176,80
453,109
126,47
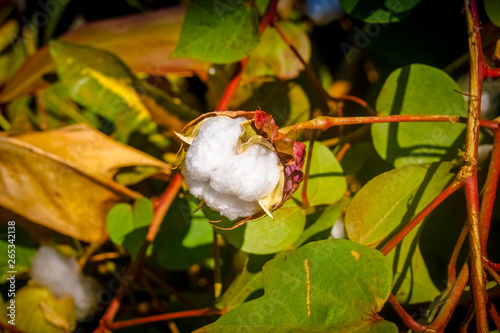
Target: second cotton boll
229,182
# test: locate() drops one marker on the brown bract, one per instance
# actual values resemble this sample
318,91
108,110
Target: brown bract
260,128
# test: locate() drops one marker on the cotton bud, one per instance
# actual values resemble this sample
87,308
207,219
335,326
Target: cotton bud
239,163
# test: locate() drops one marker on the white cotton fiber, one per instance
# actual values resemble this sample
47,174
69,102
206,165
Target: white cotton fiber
230,183
252,171
61,276
215,143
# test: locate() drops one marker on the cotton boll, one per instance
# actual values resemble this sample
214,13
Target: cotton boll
229,205
196,187
61,276
214,144
250,176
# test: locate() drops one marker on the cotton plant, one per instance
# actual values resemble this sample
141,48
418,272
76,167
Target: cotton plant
239,164
62,277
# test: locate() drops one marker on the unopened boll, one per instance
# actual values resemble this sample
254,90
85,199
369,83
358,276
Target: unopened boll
62,277
230,183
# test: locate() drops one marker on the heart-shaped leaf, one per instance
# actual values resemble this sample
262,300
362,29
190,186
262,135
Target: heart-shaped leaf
185,237
419,90
267,235
218,32
326,183
127,225
333,285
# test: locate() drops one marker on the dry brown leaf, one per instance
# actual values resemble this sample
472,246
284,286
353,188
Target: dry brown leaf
62,179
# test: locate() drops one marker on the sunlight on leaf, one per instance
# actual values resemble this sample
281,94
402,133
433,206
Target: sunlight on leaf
333,285
218,32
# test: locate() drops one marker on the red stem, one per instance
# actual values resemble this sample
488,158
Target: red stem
163,317
452,265
407,319
420,216
160,210
494,314
235,81
489,193
442,319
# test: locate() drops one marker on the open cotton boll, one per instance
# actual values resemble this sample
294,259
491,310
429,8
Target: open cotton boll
229,205
215,143
61,276
230,183
250,175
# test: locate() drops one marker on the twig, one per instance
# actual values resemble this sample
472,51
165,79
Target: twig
305,180
161,208
163,317
464,326
405,317
168,288
489,193
420,216
493,314
440,322
452,265
238,72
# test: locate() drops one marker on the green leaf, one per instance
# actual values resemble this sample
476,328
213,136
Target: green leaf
24,251
412,281
400,194
356,157
326,183
128,225
492,8
99,81
273,57
379,11
267,235
37,311
218,32
347,283
285,101
245,284
419,90
185,237
322,222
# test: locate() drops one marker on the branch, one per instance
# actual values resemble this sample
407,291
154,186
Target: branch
235,81
469,170
163,317
440,322
405,317
420,216
160,210
489,193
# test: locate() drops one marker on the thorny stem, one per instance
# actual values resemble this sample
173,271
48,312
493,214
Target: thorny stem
235,81
420,216
407,319
160,210
469,170
440,322
163,317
